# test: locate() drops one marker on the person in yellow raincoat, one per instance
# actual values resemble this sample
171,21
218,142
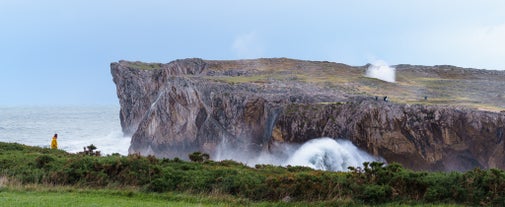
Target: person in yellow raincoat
54,142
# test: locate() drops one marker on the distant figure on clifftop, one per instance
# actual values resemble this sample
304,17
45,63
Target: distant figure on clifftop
54,142
386,99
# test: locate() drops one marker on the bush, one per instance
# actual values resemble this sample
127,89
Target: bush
43,160
374,183
375,194
89,150
198,157
159,185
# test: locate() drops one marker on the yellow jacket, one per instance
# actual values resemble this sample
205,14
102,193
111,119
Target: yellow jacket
54,143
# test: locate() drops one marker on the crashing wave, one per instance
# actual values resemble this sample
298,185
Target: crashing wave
329,154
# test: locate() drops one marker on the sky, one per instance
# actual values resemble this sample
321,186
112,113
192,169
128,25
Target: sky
58,52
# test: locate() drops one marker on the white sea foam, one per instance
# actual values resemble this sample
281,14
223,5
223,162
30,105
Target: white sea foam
329,154
77,127
322,154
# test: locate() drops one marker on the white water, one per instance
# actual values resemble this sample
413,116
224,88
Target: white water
322,154
329,154
382,71
77,127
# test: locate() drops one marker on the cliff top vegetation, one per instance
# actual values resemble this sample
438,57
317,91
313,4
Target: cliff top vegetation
441,84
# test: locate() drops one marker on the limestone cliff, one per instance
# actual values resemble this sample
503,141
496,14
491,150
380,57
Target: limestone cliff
192,105
418,136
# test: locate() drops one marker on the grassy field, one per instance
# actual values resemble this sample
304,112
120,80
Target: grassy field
89,198
70,196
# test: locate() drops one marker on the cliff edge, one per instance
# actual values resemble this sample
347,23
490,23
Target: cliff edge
438,118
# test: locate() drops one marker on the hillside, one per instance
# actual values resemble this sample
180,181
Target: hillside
442,84
55,177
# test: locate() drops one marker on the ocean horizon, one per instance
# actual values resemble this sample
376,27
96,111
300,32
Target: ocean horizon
76,126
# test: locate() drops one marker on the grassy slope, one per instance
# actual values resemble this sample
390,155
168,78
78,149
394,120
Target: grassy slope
28,173
446,85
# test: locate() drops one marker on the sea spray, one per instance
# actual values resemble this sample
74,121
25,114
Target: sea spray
382,71
329,154
277,154
322,154
77,127
106,143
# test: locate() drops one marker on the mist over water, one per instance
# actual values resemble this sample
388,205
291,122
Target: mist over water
382,71
77,127
322,154
329,154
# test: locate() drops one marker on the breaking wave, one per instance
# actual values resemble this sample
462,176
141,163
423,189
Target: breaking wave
321,154
329,154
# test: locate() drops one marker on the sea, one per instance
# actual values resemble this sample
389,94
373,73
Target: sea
76,126
81,126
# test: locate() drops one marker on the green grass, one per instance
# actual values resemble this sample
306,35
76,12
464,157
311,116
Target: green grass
40,195
90,198
51,196
115,198
469,88
442,85
241,79
145,66
33,173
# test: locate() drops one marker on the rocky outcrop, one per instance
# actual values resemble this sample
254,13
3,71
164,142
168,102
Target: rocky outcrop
138,88
173,109
420,137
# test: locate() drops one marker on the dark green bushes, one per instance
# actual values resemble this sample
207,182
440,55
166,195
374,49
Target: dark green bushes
43,161
375,193
198,157
374,183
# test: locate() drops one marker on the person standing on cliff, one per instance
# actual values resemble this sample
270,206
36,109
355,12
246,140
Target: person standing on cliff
54,142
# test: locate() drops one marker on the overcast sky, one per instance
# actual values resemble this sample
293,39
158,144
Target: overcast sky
58,52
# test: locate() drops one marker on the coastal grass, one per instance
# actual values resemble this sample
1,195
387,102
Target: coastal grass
32,171
17,194
14,193
445,85
50,196
441,85
85,198
145,66
241,79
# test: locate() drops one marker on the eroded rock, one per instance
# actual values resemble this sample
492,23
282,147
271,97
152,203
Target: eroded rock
174,109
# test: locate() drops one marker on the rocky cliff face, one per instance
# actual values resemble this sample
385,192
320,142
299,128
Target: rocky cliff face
420,137
192,105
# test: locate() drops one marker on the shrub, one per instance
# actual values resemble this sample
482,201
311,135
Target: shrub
376,194
43,160
159,185
89,150
198,157
374,183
